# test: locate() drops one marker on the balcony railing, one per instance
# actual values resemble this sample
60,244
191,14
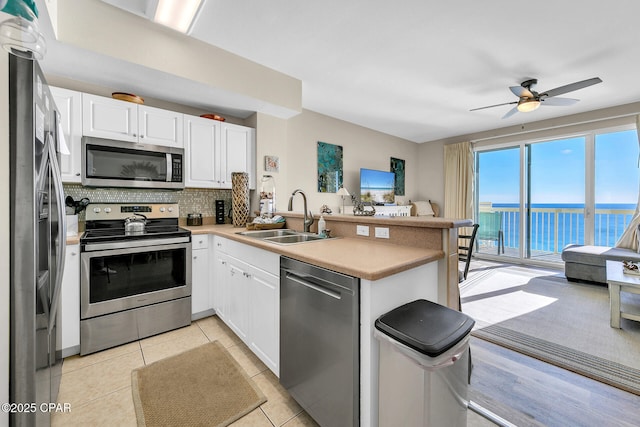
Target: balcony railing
552,228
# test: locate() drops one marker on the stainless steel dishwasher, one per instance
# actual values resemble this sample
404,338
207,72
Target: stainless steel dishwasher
320,341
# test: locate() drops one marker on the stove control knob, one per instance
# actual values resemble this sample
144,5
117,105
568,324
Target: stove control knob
161,209
107,210
170,209
96,210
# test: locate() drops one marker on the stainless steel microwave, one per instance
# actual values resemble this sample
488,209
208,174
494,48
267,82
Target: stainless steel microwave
110,163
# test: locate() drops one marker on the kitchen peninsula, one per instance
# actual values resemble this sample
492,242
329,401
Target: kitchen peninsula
418,260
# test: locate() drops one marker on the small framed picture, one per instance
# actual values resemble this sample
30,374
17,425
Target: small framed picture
271,163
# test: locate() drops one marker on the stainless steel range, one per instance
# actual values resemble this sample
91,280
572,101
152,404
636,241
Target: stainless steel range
135,274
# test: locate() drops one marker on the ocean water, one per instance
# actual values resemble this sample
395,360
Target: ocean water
570,225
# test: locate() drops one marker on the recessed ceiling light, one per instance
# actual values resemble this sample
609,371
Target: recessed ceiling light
177,14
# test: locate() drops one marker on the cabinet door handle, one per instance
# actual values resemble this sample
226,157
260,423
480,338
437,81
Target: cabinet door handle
141,136
78,174
73,254
134,135
195,257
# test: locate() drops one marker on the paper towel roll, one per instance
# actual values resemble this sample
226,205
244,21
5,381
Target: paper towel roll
72,225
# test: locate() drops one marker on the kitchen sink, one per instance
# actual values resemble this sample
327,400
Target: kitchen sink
262,234
294,238
282,237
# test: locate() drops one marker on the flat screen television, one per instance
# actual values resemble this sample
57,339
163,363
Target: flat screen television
377,187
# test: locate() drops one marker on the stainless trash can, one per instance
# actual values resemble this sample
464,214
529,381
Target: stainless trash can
423,366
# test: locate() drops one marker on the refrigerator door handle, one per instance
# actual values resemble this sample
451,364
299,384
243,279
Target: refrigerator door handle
61,238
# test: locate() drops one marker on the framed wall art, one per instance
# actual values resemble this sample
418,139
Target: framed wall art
271,163
397,167
329,167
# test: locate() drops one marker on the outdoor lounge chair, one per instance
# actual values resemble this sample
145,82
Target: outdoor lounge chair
491,228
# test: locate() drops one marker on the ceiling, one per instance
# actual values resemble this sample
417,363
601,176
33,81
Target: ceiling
415,68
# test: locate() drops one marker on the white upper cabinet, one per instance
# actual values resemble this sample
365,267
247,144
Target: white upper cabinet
125,121
69,105
160,127
237,153
214,150
109,118
202,137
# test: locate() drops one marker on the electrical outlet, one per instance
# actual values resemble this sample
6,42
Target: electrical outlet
362,230
382,232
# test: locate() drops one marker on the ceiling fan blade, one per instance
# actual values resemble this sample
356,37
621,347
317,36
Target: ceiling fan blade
510,112
571,87
561,102
520,91
491,106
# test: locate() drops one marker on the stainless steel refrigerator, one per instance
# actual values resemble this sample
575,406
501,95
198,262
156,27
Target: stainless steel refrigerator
37,244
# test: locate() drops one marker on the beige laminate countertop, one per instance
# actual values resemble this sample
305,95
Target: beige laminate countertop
73,240
407,221
353,256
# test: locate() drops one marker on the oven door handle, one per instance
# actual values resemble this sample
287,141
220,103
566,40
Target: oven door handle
90,247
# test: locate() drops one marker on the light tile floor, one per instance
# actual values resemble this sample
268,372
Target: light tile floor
98,386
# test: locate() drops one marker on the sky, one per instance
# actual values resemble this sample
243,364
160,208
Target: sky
558,171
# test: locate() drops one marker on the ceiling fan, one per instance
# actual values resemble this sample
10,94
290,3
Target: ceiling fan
530,99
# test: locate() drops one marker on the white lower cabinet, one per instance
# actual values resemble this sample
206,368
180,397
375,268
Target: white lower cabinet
200,277
238,287
246,296
70,302
264,318
220,288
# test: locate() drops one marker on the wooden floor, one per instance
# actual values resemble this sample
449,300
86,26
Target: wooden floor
528,392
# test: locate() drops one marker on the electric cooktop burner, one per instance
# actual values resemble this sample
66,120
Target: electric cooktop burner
105,222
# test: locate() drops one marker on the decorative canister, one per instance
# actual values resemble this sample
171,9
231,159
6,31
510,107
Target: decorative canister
240,198
267,196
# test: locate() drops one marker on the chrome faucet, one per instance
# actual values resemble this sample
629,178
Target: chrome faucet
307,220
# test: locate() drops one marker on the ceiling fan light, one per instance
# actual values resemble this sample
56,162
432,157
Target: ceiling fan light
177,14
527,106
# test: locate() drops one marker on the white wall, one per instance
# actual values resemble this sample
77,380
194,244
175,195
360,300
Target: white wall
271,140
431,172
4,230
362,148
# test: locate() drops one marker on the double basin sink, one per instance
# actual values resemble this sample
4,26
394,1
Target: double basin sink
282,236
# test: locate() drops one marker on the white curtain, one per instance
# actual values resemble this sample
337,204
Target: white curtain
458,181
629,238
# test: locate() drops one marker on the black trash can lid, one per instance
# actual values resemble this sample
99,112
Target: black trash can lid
425,326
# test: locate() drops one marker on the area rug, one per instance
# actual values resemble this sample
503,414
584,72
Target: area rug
203,386
540,314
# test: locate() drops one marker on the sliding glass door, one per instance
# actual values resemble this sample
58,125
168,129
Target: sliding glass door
534,198
555,194
616,185
497,199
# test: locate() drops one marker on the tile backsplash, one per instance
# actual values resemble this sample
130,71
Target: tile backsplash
191,200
